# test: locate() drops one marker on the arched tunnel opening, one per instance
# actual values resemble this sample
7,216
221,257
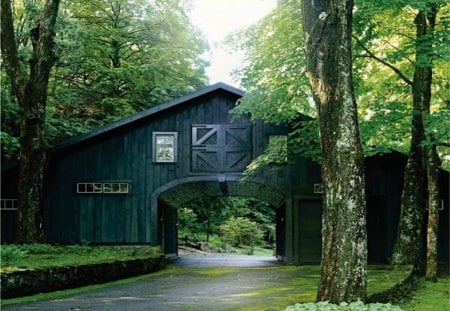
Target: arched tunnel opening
252,208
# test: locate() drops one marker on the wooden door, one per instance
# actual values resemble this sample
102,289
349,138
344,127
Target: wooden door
220,148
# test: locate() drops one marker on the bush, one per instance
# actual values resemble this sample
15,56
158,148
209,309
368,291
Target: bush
11,253
354,306
239,230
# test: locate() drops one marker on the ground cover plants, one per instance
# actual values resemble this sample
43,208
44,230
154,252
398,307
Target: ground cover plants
354,306
31,256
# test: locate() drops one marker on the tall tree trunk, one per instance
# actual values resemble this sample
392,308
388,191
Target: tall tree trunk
31,93
409,243
328,27
433,163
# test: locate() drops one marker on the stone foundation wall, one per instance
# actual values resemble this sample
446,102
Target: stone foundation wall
33,281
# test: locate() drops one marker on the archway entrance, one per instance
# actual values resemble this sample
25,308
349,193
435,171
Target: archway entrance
173,196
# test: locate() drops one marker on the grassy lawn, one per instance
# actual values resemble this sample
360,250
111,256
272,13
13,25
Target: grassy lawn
33,256
431,296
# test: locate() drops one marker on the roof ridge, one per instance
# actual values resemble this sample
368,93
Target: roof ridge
144,114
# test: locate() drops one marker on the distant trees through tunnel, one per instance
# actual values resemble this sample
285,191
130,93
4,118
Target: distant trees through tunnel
228,225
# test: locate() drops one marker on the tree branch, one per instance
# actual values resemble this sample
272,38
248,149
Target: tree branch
387,64
10,57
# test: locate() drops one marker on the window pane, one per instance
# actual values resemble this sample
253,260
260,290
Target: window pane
81,188
107,188
97,188
115,188
123,188
165,148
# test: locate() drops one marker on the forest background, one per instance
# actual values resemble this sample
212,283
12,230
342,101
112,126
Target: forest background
116,58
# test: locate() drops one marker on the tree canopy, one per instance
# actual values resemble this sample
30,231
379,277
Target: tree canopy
278,91
114,58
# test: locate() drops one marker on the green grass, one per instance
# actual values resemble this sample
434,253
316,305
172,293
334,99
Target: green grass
34,256
382,277
301,282
431,296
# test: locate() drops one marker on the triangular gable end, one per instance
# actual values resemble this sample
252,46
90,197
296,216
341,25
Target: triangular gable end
145,114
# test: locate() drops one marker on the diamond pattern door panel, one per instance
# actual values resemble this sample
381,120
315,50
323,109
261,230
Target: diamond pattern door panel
220,148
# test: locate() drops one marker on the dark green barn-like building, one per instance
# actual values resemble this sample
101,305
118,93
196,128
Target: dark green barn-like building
123,183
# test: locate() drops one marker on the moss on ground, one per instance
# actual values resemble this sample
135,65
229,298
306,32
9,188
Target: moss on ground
431,296
32,256
274,288
301,286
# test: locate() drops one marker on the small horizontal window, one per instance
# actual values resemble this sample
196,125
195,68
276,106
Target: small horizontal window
115,187
106,187
89,188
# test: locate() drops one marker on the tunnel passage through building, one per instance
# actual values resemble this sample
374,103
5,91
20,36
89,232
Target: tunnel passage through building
176,195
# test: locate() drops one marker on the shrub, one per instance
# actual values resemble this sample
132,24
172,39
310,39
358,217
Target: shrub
354,306
10,254
240,230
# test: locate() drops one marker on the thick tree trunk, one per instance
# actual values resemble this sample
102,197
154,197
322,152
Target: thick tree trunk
31,95
409,243
328,25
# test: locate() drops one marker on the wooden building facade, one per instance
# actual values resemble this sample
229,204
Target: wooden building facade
123,183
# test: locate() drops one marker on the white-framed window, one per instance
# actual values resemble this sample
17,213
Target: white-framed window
165,147
89,187
115,187
103,187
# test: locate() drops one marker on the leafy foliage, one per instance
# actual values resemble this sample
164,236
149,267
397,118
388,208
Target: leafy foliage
386,30
275,153
115,58
11,254
204,217
277,87
274,74
354,306
46,255
240,231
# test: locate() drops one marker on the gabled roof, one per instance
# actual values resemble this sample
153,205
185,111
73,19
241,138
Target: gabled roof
145,114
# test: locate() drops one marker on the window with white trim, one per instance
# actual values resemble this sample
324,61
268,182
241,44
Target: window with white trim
89,187
165,147
115,187
103,187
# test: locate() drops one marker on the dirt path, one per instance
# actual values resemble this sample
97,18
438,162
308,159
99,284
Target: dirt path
194,283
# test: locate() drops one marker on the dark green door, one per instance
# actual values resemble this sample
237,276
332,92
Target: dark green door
168,230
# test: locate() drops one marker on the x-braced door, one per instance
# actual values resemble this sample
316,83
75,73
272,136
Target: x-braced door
221,147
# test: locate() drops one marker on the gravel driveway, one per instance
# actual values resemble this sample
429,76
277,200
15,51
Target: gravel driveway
193,283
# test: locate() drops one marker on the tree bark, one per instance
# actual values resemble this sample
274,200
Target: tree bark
409,243
31,93
433,163
327,25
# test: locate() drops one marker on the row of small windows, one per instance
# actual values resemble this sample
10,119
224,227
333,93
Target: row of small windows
103,187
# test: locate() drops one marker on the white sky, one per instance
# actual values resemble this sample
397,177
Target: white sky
218,18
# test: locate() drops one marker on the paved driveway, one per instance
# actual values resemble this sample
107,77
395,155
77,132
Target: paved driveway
192,283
